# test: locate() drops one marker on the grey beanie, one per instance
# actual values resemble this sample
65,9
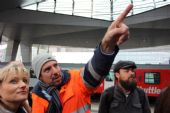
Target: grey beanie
38,62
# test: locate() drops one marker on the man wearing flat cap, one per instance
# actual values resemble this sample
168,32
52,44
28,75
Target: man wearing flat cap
125,96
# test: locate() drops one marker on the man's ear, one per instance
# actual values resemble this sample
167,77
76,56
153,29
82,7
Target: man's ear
40,77
117,75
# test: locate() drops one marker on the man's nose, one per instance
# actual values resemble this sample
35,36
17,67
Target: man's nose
55,70
132,73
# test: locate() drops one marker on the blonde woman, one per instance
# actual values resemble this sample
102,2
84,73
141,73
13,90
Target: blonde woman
14,88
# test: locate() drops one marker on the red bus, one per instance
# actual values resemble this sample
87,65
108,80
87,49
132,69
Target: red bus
153,79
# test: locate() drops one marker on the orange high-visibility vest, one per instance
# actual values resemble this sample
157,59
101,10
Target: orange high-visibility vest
39,105
75,96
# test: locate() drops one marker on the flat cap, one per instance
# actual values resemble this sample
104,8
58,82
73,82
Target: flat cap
124,65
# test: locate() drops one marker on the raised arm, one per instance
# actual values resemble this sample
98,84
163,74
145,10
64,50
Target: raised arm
99,66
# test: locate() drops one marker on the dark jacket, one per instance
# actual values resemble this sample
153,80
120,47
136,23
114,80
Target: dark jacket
113,100
4,110
21,110
163,102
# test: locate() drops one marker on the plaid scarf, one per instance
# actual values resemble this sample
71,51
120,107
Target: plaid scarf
55,105
51,93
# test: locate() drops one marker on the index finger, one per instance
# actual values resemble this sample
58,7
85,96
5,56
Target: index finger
123,15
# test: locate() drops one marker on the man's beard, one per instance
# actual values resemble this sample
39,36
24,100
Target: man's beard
128,85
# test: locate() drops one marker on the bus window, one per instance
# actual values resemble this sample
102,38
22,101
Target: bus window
110,76
152,78
109,80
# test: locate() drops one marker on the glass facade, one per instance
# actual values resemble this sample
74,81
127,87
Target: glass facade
99,9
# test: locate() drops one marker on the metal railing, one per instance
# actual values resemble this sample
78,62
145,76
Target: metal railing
99,9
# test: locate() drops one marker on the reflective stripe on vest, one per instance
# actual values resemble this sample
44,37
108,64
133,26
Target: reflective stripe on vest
83,109
86,83
93,72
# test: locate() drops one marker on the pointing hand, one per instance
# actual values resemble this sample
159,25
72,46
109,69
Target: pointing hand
117,33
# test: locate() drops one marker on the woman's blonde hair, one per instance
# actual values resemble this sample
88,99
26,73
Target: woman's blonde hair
12,67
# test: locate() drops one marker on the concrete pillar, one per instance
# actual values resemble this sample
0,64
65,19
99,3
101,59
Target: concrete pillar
26,52
11,51
2,28
0,36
